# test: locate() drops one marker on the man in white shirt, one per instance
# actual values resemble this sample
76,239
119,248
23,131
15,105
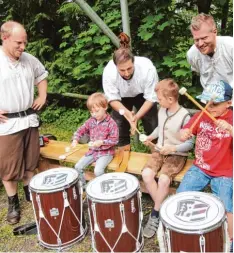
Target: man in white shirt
20,72
211,56
130,81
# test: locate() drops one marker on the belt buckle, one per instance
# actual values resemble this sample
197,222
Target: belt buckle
23,114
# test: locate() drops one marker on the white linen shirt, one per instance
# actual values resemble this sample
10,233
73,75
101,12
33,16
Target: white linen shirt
17,81
144,79
216,68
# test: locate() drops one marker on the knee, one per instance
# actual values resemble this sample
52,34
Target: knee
98,172
78,168
148,175
164,181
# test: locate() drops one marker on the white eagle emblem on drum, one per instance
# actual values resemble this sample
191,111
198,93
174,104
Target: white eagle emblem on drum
54,179
190,210
115,186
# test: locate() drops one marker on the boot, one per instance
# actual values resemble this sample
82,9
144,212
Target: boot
27,193
13,215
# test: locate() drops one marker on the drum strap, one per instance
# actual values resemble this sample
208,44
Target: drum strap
124,227
66,205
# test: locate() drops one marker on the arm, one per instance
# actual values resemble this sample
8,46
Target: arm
144,109
117,105
192,59
154,134
2,117
112,138
42,94
84,129
149,94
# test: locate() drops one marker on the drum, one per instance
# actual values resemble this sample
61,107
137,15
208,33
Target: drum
57,202
114,202
192,222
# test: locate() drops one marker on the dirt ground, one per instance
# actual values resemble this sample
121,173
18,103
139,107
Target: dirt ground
29,243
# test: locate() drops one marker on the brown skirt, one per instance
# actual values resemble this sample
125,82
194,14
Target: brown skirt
19,152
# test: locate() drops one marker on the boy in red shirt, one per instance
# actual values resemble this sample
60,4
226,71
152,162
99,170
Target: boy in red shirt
214,148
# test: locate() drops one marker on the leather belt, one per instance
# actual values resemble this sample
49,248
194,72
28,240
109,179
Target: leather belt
20,114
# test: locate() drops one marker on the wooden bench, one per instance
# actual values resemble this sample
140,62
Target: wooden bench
136,162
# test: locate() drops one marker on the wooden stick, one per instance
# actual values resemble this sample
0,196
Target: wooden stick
135,128
198,118
64,156
199,106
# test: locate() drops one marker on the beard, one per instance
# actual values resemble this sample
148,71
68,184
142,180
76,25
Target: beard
127,79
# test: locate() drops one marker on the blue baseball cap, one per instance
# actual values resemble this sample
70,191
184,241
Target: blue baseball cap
218,92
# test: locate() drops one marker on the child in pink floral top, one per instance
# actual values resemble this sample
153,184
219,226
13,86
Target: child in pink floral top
103,133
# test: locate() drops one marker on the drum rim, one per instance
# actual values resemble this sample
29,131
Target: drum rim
193,232
189,231
117,200
68,185
54,190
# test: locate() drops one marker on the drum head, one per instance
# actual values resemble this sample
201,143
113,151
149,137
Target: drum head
112,187
53,180
192,212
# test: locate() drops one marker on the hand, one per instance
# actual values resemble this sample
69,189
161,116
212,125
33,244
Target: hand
185,134
224,125
38,103
74,143
148,140
3,118
133,123
97,143
167,149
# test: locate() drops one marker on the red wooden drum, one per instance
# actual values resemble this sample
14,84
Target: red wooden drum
192,222
115,212
57,202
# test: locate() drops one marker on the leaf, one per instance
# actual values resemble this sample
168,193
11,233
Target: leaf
181,72
145,35
103,40
62,45
168,61
163,25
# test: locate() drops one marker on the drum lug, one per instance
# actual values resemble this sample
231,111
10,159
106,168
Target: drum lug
74,192
202,241
41,214
66,203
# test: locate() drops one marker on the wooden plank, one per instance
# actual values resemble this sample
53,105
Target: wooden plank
135,163
56,148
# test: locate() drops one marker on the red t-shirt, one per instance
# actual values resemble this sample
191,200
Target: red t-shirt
214,147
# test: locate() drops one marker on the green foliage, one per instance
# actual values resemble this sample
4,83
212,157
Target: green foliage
75,50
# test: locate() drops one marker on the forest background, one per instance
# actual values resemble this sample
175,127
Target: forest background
75,50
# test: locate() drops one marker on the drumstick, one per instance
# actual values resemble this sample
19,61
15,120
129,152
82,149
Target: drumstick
64,156
183,91
198,118
143,138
